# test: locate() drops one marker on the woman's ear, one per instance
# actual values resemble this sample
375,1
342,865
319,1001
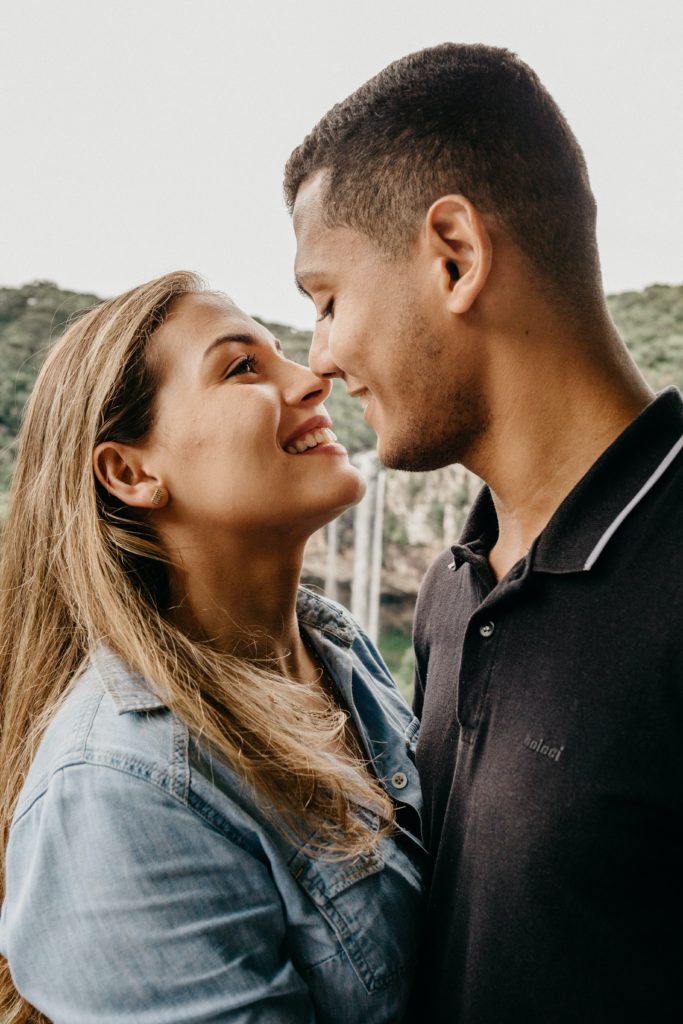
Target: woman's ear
118,467
457,236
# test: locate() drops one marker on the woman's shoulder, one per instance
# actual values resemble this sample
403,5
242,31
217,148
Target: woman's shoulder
109,717
113,740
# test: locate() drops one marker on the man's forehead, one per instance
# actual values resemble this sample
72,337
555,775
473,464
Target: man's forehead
312,234
307,213
324,250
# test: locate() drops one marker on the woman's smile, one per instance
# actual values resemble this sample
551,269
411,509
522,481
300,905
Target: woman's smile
315,435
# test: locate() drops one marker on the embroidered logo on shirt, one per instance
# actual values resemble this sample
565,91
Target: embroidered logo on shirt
544,748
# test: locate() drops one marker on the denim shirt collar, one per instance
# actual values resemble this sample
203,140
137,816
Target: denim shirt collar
325,616
128,690
385,725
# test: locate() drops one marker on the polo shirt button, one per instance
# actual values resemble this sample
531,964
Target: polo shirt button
399,780
487,629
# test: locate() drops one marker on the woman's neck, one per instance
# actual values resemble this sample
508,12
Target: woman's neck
242,596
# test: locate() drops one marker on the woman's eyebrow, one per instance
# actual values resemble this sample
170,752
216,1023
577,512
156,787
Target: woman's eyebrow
242,339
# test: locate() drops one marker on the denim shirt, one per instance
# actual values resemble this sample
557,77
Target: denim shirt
146,886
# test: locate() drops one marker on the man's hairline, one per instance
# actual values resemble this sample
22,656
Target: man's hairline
391,253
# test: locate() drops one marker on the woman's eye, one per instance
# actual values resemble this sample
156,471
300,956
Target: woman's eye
328,311
246,365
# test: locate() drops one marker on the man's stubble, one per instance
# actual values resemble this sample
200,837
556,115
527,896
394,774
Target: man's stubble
443,416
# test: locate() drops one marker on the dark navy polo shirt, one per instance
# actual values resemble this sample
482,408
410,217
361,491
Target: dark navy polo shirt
551,753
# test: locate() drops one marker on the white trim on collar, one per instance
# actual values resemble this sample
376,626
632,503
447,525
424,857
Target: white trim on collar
647,486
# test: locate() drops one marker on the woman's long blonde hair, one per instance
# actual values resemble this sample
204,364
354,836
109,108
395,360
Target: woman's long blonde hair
78,570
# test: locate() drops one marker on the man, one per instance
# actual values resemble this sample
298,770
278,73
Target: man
446,234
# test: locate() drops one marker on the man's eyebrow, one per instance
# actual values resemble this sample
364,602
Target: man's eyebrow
304,276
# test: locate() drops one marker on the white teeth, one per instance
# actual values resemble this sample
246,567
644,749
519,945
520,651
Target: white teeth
323,435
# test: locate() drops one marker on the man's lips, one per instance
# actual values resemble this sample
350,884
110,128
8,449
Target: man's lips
363,396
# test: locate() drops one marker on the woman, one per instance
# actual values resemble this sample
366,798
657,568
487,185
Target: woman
215,812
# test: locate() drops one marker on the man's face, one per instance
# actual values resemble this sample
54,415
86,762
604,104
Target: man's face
382,327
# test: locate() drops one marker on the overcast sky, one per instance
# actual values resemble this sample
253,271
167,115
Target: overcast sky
141,136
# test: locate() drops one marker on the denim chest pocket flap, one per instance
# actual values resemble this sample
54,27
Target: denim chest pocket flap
372,904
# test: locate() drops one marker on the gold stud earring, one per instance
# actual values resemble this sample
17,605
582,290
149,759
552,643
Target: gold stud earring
158,495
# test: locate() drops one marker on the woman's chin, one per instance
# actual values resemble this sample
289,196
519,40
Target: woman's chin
331,502
354,488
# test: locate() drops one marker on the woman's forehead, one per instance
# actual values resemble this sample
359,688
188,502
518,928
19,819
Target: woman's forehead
199,311
192,323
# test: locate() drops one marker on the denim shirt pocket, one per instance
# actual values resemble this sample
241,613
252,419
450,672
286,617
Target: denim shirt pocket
372,903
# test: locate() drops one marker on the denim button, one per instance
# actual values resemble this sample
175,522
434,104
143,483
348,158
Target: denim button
487,629
399,780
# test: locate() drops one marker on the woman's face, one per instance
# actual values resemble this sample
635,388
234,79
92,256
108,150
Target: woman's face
234,421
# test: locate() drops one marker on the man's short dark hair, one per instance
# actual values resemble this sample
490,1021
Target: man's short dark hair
468,119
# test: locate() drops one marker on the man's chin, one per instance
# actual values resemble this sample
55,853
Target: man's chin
399,454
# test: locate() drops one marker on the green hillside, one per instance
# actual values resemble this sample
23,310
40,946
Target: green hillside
31,317
651,324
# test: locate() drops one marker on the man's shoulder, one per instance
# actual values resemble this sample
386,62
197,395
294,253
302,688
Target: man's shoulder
651,524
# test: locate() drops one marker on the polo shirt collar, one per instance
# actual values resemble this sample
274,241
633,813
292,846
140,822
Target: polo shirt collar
593,511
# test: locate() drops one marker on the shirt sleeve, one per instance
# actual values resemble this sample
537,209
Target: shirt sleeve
126,904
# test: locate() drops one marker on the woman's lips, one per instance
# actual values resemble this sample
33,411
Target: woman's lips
308,426
308,442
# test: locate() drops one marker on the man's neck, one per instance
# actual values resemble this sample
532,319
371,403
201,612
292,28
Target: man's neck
550,421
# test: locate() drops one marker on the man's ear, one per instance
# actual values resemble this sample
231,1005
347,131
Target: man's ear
456,235
118,467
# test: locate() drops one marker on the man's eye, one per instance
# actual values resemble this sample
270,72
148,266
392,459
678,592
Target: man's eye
246,365
328,311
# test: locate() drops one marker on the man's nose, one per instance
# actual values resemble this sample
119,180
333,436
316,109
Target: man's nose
319,358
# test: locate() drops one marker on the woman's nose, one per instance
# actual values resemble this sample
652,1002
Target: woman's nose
304,387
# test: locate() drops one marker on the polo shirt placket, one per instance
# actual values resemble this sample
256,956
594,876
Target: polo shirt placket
483,636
